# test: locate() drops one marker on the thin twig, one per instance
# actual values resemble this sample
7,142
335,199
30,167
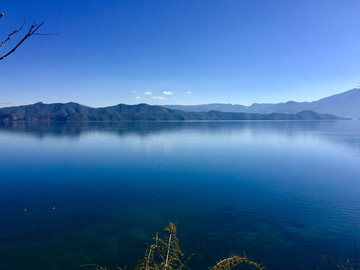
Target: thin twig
168,251
8,38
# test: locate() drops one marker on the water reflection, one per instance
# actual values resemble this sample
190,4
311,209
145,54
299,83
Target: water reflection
343,133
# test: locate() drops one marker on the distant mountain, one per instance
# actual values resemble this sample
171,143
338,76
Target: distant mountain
141,112
346,105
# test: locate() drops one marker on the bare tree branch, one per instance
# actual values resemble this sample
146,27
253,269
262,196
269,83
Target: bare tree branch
32,31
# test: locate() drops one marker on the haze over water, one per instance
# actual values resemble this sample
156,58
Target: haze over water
283,192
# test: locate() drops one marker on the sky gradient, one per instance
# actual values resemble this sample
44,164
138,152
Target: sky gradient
179,51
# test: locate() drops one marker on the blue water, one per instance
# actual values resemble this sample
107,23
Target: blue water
283,192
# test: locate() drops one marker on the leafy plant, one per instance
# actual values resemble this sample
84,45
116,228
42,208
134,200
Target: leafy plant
234,260
165,254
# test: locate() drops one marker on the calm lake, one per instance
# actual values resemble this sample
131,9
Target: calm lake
73,194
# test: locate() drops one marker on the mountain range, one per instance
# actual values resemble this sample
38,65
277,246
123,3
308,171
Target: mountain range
342,106
346,104
141,112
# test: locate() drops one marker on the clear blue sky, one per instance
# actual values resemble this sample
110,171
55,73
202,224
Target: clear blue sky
227,51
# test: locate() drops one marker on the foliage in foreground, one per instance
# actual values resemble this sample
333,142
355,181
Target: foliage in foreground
165,254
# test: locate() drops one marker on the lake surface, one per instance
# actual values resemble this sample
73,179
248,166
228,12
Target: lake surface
283,192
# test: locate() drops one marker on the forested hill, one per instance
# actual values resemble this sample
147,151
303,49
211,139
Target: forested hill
141,112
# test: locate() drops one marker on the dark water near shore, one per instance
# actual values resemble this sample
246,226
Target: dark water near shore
283,192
